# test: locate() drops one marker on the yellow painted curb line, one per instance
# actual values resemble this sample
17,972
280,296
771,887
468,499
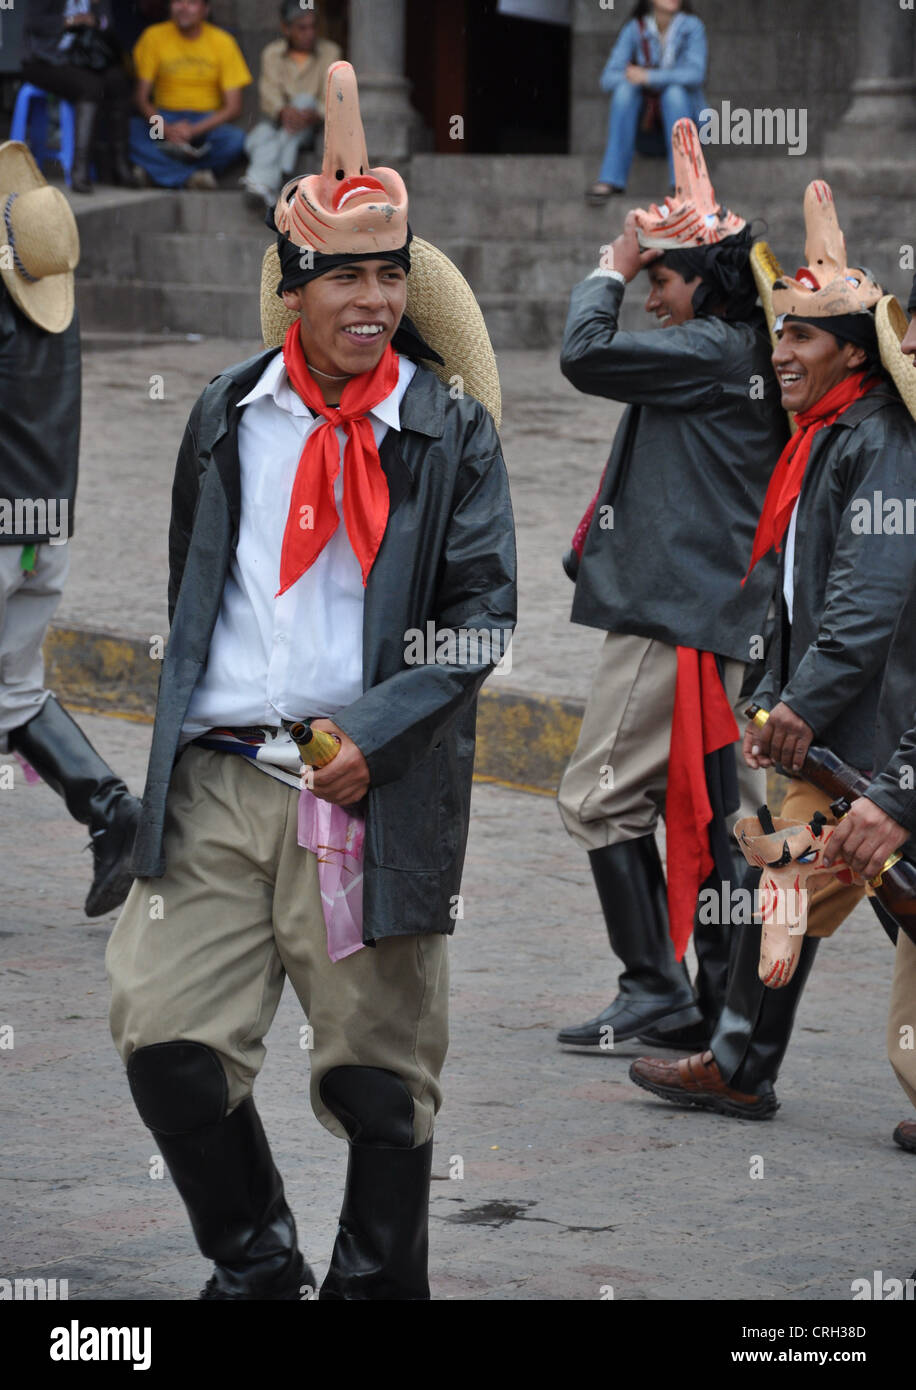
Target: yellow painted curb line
523,741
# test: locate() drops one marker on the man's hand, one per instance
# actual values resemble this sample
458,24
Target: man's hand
785,739
637,76
624,255
293,120
178,132
865,838
345,780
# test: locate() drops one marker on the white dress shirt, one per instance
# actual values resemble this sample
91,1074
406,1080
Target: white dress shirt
788,578
302,653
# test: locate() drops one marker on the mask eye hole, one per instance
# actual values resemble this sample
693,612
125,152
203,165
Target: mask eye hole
339,174
809,856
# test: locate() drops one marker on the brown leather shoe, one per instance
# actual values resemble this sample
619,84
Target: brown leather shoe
905,1135
697,1080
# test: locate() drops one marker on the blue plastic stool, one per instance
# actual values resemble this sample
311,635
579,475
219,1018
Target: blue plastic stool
31,113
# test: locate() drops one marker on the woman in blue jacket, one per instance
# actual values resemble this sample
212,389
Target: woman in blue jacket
654,77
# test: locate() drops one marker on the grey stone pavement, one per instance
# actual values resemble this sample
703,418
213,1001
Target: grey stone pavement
574,1181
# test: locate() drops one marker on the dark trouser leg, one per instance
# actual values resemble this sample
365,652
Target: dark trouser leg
382,1242
223,1169
654,987
755,1026
94,795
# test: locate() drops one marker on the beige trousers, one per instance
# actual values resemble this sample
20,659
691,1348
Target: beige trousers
901,1018
201,954
614,786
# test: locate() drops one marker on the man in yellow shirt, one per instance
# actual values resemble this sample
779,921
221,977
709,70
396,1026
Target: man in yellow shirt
190,76
291,86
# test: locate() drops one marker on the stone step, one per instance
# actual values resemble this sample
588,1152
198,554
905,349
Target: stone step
137,306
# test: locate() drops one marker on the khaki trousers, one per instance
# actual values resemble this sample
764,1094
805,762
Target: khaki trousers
614,786
28,602
901,1018
201,954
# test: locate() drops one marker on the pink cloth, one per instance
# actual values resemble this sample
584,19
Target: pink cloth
30,774
336,836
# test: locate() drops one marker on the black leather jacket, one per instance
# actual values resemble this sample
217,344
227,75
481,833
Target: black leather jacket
39,417
686,478
447,556
848,585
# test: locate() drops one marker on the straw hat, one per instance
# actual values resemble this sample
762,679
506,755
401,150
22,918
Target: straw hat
442,305
39,242
891,323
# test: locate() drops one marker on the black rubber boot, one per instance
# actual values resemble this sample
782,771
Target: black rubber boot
755,1026
381,1250
654,987
223,1169
61,754
83,128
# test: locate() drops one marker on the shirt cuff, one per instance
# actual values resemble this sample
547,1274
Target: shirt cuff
600,273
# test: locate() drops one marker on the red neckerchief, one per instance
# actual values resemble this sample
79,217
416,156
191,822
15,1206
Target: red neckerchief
702,723
365,497
786,482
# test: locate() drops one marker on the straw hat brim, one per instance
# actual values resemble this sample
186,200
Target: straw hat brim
891,323
442,305
766,270
48,302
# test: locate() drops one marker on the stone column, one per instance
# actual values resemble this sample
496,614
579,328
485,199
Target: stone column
880,122
376,50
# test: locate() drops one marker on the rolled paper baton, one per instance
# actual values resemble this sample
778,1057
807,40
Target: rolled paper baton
316,748
759,717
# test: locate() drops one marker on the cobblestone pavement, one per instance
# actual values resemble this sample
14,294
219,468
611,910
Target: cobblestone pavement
136,402
574,1181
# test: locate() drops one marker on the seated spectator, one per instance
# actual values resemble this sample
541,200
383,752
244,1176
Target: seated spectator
71,52
291,89
654,76
190,74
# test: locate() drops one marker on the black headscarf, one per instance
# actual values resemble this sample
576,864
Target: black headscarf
847,328
297,269
727,281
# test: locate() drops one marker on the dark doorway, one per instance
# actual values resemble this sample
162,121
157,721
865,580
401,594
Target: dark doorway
507,78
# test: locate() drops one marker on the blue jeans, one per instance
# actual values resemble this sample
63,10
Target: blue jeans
623,128
226,143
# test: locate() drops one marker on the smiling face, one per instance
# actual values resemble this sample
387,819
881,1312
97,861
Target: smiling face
349,316
671,296
809,362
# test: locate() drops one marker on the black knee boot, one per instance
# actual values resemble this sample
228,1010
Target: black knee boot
381,1251
222,1167
61,754
755,1026
654,987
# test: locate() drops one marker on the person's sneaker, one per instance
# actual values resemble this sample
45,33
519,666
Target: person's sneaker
141,177
905,1135
202,181
112,846
697,1081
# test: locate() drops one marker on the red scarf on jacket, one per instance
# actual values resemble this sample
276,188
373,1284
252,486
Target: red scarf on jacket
312,518
786,481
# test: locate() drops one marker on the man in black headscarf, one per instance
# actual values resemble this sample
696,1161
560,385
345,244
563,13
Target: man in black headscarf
660,573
